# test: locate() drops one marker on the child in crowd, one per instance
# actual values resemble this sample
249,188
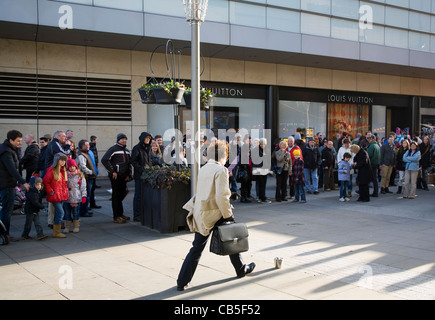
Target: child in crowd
344,168
299,177
31,209
77,194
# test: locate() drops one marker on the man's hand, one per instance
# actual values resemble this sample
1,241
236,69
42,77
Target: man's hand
114,175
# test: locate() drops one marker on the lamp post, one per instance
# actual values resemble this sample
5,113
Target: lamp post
195,13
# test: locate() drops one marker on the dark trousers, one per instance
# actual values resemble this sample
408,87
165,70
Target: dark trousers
291,185
119,191
364,194
328,178
375,180
7,197
281,185
84,207
261,184
192,259
32,217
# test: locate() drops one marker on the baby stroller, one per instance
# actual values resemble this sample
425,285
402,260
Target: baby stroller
20,199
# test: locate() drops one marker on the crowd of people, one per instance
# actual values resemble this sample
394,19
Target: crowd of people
65,172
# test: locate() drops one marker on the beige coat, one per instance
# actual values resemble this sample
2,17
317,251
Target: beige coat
212,199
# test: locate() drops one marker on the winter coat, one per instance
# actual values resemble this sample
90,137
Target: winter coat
141,155
9,174
53,148
374,153
57,191
425,156
33,199
412,160
388,154
29,161
117,159
328,159
212,199
283,160
76,187
363,166
344,168
298,175
292,150
311,156
400,164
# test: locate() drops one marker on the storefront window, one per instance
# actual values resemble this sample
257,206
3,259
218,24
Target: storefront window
301,116
379,114
349,118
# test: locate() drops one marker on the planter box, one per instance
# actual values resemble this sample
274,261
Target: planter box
162,209
163,97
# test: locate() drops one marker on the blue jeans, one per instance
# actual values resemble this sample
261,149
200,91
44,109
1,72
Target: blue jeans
313,174
7,197
299,191
343,188
58,212
71,213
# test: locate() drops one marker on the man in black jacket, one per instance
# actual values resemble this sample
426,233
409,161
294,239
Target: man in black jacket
58,144
328,161
9,176
116,160
29,161
312,161
140,157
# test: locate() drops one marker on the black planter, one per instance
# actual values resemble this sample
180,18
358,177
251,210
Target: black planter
162,209
173,97
147,97
188,100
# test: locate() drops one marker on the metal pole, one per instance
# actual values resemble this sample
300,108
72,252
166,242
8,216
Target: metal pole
195,55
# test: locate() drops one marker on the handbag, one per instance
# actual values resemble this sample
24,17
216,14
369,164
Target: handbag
242,175
229,238
278,170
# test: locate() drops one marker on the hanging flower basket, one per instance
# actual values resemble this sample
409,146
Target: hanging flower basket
205,98
146,93
169,92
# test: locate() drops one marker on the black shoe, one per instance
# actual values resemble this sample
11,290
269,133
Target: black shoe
316,192
96,207
284,199
383,191
247,269
374,195
387,191
182,288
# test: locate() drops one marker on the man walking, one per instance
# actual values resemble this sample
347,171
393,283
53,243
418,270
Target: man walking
9,176
388,159
116,160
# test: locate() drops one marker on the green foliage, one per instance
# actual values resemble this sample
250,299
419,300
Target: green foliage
165,176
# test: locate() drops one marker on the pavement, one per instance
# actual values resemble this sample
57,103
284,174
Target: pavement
380,250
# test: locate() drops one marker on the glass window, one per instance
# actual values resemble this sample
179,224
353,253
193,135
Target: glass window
421,5
165,7
135,5
379,120
378,12
314,24
375,35
320,6
350,118
419,21
396,38
283,20
400,3
217,10
344,29
298,116
346,8
160,118
247,15
396,17
419,41
295,4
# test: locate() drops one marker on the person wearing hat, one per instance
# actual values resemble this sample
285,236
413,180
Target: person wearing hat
116,160
298,177
140,157
312,161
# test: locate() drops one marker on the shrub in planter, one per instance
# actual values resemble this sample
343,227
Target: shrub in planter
170,92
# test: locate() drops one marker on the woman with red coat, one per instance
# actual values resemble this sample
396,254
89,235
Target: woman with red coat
57,190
